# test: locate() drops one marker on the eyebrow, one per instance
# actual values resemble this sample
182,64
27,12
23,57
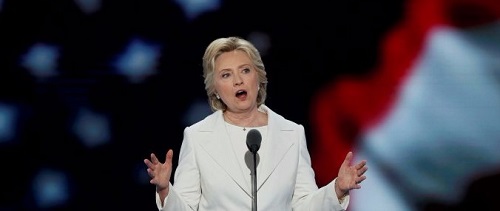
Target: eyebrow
239,67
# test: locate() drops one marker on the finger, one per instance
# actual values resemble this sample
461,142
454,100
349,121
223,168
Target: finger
154,159
153,181
148,163
362,171
348,158
150,173
361,164
170,155
360,179
357,185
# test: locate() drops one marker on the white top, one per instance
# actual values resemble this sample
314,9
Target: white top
238,137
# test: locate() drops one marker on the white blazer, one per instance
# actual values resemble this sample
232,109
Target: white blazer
209,177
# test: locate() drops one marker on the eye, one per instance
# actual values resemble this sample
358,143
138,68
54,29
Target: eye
225,75
246,70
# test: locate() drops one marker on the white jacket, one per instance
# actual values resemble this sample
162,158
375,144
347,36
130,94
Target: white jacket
208,176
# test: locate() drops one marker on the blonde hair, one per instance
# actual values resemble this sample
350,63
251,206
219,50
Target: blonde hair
228,44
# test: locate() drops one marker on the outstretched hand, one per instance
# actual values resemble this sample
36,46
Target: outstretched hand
350,176
160,172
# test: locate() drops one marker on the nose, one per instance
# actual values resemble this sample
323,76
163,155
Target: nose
238,80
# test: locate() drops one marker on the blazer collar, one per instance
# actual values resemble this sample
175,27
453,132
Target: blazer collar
279,144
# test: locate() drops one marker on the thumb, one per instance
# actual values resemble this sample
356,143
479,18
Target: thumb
348,159
170,154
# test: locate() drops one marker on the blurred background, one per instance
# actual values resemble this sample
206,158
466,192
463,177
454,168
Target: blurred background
89,88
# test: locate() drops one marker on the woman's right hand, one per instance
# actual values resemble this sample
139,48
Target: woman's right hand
160,172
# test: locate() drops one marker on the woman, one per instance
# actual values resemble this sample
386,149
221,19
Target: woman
212,173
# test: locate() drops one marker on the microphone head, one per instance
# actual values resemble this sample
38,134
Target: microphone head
253,140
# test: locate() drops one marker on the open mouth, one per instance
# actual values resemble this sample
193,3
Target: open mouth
241,93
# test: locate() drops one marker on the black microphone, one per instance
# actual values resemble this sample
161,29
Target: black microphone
253,143
253,140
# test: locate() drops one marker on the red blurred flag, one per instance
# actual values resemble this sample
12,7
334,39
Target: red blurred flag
348,109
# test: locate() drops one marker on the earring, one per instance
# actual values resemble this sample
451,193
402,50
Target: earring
217,96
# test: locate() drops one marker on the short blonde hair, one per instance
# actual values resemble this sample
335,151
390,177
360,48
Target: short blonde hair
228,44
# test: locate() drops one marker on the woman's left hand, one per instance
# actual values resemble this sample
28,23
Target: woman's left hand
350,176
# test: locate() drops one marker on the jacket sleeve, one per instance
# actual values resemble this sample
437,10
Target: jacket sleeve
307,196
185,193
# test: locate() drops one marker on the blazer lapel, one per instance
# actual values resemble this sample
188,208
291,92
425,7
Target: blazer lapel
222,153
279,145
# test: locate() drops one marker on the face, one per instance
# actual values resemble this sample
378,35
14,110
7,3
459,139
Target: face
236,81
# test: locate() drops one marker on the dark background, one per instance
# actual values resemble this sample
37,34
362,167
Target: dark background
311,43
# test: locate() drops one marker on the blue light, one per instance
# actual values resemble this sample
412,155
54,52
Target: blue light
196,112
92,128
89,6
41,60
139,60
50,189
8,117
194,8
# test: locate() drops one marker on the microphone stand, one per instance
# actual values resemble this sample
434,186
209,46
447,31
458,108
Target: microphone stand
254,182
253,143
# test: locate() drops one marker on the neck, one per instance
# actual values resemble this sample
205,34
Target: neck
250,119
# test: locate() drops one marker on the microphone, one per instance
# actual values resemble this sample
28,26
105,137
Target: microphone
253,140
253,143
